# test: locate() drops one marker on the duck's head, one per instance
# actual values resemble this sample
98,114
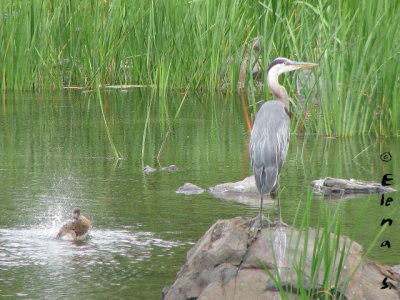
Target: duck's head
76,213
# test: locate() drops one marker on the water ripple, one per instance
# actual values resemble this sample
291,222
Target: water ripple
38,246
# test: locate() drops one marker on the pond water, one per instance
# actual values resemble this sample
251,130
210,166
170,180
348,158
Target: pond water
54,156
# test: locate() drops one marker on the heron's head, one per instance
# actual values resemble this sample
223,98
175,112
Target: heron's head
76,213
282,65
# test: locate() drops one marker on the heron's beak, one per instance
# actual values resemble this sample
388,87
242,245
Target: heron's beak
300,65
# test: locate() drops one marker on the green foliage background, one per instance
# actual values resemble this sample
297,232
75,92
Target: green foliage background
199,44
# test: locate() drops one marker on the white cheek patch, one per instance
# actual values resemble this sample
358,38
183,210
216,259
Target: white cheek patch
276,70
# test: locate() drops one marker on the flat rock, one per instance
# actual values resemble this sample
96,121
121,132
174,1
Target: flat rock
245,186
189,189
230,262
148,169
332,186
243,191
171,168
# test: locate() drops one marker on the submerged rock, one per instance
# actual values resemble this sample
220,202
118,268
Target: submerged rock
189,189
148,169
337,186
170,168
245,186
230,262
244,191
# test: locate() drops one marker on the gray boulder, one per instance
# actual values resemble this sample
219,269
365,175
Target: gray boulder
337,186
245,186
189,189
230,262
148,169
243,191
171,168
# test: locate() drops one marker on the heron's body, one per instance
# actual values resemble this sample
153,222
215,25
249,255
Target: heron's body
269,144
76,229
269,139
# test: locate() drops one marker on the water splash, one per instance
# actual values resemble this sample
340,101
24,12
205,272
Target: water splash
38,246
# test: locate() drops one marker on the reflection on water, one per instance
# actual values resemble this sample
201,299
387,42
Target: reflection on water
54,156
280,245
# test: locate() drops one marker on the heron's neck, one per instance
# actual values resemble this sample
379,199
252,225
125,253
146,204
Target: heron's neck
277,90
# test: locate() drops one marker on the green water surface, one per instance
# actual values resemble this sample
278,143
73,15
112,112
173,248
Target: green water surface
55,155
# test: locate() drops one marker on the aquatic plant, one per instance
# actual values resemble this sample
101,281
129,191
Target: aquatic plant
199,44
321,272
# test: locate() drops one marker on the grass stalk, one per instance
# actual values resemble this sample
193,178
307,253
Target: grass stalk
199,45
116,154
326,278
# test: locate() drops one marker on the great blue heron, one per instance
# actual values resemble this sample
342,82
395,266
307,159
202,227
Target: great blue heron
269,139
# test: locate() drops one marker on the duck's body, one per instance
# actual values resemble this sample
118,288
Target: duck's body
76,229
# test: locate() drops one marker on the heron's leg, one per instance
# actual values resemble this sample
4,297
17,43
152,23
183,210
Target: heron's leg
261,209
258,222
279,210
280,221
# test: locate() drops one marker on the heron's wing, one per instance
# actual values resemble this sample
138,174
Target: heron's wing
269,144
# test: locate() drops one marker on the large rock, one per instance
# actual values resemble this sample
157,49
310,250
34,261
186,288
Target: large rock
229,262
243,191
189,189
245,186
337,186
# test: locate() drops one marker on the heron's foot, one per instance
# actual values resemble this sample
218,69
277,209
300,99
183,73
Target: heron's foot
260,222
279,223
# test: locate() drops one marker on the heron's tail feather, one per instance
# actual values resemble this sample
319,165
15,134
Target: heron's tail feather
266,179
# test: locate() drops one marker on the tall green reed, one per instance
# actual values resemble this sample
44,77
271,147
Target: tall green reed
115,152
356,70
318,270
199,45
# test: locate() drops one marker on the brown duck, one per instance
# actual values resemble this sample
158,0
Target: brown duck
76,229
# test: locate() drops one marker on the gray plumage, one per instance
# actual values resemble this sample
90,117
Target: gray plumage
269,144
269,140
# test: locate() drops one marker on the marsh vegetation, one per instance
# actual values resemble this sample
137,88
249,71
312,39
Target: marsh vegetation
199,45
